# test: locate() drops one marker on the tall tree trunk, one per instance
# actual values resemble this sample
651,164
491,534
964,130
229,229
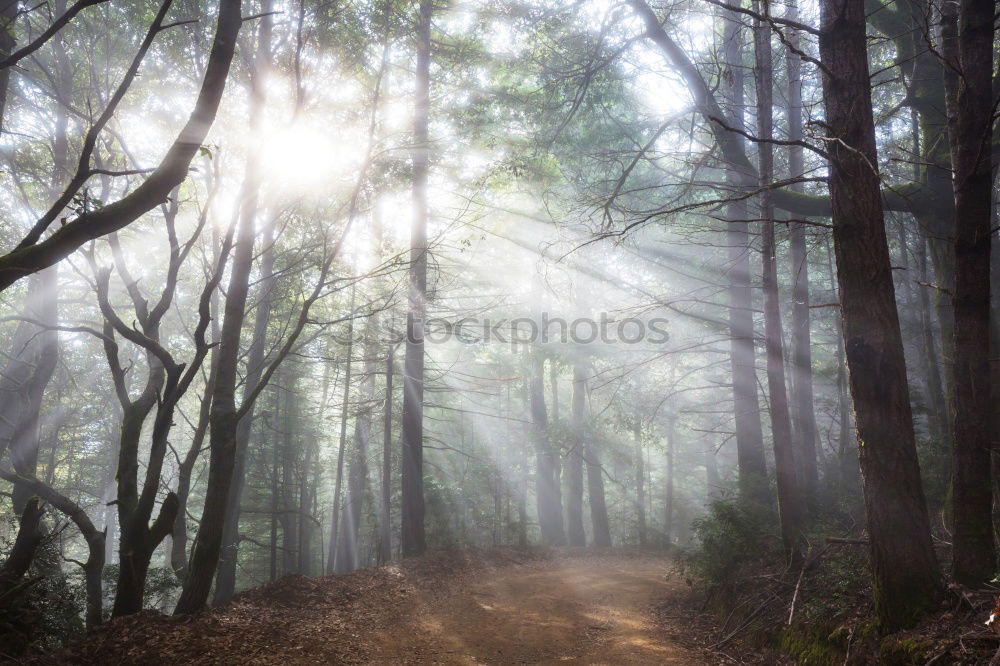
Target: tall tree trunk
413,540
8,15
712,474
331,562
803,416
847,448
304,515
522,484
223,419
275,493
932,362
574,468
640,484
290,473
668,502
967,43
906,580
789,498
595,493
547,493
33,357
746,404
225,582
357,477
34,352
385,508
995,376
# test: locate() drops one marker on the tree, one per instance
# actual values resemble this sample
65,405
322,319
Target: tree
414,541
789,498
967,45
746,404
223,416
803,413
33,254
906,581
574,468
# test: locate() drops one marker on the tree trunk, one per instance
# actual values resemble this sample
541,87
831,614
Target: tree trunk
223,419
22,552
413,540
803,416
640,484
967,43
932,362
595,493
385,512
8,15
547,491
574,468
357,478
906,580
290,473
668,502
225,582
789,498
331,562
746,404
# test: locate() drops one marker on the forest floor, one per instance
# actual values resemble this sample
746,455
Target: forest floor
463,607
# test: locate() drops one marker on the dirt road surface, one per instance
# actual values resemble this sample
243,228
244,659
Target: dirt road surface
458,608
565,611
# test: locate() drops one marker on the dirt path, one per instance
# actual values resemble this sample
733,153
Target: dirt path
565,611
466,607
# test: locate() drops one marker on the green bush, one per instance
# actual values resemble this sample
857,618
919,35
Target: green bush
45,609
728,540
161,588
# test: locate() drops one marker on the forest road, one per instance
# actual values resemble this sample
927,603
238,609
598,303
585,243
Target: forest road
564,611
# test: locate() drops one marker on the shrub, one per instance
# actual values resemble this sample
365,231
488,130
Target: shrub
731,538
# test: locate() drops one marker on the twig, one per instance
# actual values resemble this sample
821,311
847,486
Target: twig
852,542
798,586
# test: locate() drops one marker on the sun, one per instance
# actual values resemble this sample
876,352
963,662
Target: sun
303,159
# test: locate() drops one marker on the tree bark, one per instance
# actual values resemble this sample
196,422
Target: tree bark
746,403
224,419
385,508
640,484
668,502
172,170
225,582
93,568
413,541
574,468
932,362
595,493
357,478
331,563
906,580
8,15
22,552
547,492
789,498
803,416
967,44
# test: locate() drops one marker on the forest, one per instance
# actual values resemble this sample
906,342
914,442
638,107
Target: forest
499,331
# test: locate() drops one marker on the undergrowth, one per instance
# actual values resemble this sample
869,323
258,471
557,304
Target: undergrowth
818,611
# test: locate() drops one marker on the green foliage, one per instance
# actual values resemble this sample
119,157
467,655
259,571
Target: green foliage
904,650
729,540
161,587
45,608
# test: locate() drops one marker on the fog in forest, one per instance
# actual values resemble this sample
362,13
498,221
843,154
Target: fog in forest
499,331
